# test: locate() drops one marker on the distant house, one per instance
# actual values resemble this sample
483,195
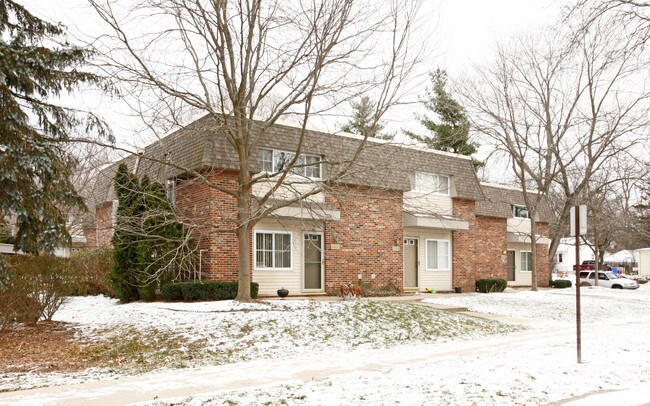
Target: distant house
643,261
565,255
405,215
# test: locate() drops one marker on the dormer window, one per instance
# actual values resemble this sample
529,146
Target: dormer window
520,212
430,183
276,161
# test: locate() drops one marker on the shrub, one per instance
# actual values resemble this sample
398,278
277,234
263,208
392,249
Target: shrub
491,285
197,290
389,289
93,267
34,287
561,283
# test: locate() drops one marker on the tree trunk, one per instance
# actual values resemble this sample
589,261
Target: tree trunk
244,239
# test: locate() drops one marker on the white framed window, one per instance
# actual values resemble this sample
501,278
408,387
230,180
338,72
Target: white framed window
171,190
520,212
526,261
275,161
438,254
272,250
430,182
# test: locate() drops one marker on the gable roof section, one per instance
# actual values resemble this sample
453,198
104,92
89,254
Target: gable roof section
380,164
500,199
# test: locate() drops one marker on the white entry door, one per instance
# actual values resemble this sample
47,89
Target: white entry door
410,262
313,262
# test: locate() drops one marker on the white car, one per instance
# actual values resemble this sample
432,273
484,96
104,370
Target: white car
607,279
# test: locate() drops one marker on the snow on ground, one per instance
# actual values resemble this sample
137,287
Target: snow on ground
180,335
533,366
557,305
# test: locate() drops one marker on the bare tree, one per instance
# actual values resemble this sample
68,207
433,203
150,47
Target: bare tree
248,65
560,106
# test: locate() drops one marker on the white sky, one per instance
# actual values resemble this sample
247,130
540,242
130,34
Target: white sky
465,33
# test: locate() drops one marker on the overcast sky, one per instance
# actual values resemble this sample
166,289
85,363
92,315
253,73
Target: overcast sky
465,33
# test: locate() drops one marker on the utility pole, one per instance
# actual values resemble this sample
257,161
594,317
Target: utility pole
578,227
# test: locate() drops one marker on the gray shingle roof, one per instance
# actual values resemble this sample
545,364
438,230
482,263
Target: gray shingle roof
499,200
201,144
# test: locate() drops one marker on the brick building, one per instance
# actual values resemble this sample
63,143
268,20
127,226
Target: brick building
380,212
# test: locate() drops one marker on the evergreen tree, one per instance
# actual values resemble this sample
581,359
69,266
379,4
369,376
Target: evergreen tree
149,245
126,261
35,177
451,130
362,121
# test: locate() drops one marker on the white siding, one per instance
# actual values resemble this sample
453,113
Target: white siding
271,280
293,186
644,262
427,203
522,278
519,226
438,280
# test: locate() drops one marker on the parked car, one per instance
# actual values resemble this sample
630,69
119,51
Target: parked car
586,265
607,279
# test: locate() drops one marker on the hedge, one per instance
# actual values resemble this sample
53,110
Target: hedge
193,291
561,284
491,285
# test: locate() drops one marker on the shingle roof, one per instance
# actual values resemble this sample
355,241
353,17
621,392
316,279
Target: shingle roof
201,144
500,199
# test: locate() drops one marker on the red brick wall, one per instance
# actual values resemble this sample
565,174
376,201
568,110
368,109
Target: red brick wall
210,216
491,244
369,228
104,226
464,246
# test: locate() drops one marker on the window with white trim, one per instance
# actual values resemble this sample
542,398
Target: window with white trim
275,161
438,254
526,261
272,250
171,190
430,182
520,212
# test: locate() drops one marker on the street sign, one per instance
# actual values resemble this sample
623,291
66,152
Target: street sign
583,220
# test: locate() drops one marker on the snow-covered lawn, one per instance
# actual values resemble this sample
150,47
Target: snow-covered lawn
385,353
557,305
139,337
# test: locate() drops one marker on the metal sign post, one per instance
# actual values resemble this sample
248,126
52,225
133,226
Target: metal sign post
578,228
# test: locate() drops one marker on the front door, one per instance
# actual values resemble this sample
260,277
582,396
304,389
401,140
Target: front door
410,262
511,265
313,262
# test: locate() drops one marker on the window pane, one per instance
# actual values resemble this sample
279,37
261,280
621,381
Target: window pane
282,250
432,254
266,160
281,159
443,255
312,169
263,252
299,166
424,182
443,184
520,211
